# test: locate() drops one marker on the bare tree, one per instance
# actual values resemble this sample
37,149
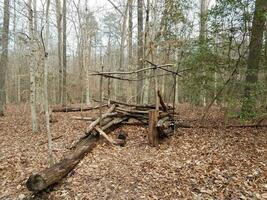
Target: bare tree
4,57
46,106
146,50
140,52
33,49
59,48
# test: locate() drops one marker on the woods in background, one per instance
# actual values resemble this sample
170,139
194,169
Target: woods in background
220,44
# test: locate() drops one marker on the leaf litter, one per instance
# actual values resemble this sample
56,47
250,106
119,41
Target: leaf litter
194,163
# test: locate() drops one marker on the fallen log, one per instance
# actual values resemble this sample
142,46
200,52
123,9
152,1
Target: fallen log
83,118
93,118
135,121
76,109
131,105
113,123
133,115
55,173
110,140
144,112
97,121
137,106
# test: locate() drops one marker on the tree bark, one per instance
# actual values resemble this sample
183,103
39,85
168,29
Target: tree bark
255,49
32,33
64,57
130,34
46,103
202,42
55,173
140,52
59,49
42,180
147,24
76,109
97,121
4,56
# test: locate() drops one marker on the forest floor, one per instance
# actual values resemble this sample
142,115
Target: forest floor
194,163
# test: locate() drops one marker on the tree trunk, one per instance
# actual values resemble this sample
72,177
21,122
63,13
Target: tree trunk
130,34
265,55
46,106
64,56
4,56
122,42
59,49
146,84
87,73
255,49
32,68
202,41
55,173
140,52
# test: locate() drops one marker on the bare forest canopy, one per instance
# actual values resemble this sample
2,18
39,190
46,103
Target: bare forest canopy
216,40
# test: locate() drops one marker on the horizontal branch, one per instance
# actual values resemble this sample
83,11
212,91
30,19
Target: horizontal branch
132,72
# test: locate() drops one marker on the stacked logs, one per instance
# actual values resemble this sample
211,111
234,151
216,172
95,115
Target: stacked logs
117,114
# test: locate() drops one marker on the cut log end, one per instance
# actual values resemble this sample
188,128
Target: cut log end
36,183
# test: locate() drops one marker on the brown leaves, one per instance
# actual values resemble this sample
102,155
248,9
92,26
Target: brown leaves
194,164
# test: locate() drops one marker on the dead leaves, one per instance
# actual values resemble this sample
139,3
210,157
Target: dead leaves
194,164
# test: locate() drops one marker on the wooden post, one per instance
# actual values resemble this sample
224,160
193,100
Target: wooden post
153,137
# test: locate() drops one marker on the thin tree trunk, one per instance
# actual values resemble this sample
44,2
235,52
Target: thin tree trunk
255,49
146,84
123,35
140,52
265,55
130,34
49,136
32,68
59,49
4,56
202,40
119,86
87,73
64,57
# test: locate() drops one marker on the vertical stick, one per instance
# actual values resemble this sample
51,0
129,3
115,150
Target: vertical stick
109,92
109,88
174,96
101,99
156,87
174,93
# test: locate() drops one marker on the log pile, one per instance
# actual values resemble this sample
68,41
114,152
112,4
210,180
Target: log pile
116,115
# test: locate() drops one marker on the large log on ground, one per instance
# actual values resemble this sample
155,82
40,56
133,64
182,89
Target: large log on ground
55,173
76,109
